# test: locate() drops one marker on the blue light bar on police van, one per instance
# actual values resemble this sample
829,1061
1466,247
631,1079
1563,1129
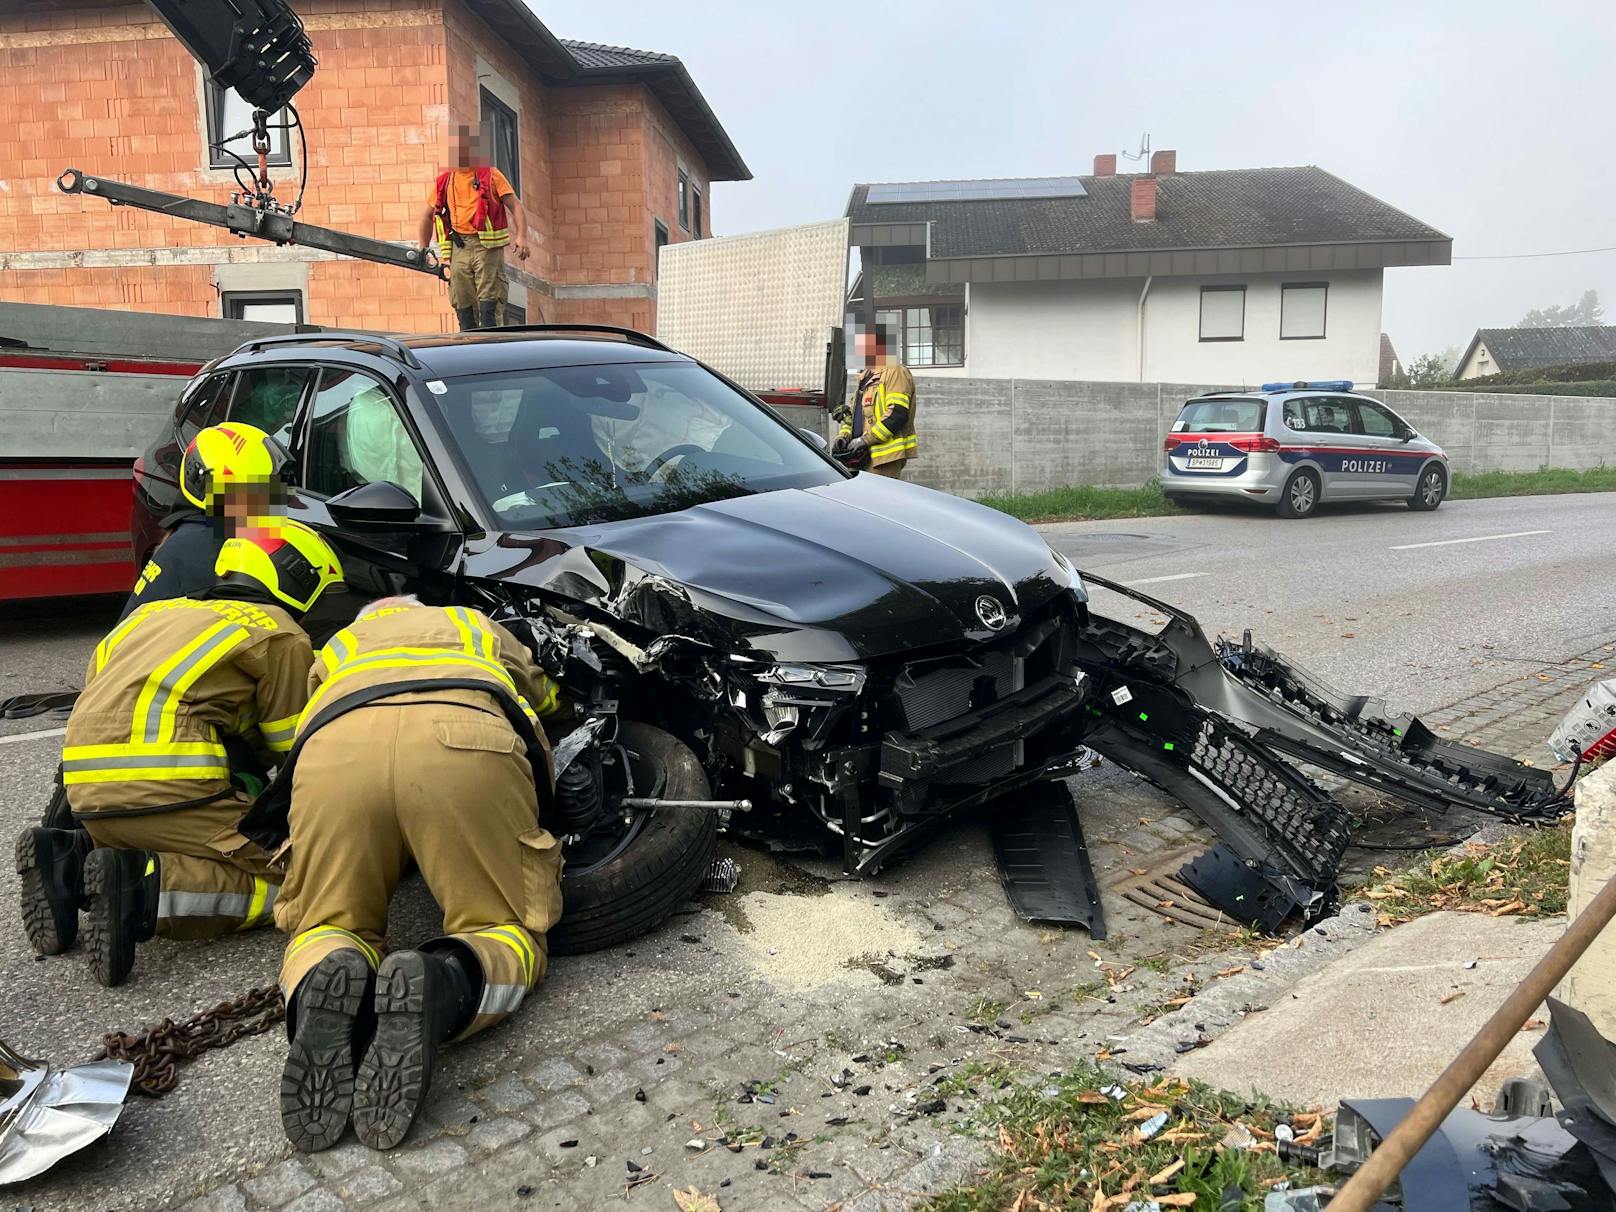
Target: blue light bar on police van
1311,385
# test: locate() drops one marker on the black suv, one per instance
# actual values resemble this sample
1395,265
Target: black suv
855,655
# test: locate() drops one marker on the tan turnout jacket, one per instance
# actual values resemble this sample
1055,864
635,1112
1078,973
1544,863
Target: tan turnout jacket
163,689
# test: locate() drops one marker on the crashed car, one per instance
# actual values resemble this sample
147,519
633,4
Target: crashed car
852,658
854,661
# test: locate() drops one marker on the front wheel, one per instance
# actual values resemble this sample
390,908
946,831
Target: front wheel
1432,488
1300,496
637,886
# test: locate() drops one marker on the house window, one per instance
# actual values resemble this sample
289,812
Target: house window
264,306
1223,313
926,336
684,201
229,116
499,138
1301,310
695,212
661,243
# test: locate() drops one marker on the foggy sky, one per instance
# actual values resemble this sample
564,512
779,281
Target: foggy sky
1488,120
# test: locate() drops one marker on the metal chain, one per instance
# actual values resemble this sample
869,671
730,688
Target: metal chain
157,1051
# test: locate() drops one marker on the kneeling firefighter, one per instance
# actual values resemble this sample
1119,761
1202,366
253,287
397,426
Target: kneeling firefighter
419,742
177,698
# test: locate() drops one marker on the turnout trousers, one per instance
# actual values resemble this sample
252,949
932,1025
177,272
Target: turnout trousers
445,784
212,880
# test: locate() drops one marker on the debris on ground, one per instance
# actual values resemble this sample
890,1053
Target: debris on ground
1081,1140
1527,875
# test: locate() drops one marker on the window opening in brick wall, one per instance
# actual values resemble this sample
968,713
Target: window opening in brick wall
229,115
500,138
263,306
684,201
695,212
661,230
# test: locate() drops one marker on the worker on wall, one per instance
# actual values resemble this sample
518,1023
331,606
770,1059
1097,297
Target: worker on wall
147,757
230,474
472,214
444,704
877,427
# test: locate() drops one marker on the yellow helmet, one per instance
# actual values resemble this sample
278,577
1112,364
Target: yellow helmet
286,558
228,454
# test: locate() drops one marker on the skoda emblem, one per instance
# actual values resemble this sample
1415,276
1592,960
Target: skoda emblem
991,613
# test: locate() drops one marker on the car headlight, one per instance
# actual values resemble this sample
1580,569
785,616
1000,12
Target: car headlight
848,678
1074,579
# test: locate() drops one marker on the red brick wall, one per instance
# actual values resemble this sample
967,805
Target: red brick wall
103,86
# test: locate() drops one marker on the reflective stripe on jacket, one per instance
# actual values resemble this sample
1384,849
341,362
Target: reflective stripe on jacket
888,391
489,219
422,644
163,690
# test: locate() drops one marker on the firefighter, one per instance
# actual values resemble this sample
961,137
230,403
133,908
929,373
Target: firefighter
147,759
231,473
878,426
472,214
444,704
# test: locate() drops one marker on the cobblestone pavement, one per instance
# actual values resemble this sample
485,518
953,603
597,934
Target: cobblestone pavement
805,1042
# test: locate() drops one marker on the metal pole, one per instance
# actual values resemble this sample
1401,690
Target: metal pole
1405,1140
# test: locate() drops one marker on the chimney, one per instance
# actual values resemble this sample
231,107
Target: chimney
1105,166
1143,200
1164,163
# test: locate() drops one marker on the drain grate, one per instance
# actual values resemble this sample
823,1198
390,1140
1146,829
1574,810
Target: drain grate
1161,891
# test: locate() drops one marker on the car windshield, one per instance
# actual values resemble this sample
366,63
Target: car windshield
1221,416
573,445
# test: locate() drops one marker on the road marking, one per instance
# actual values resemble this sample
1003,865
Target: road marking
1177,576
17,738
1480,538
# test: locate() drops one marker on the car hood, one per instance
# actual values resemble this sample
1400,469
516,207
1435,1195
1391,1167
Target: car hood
845,571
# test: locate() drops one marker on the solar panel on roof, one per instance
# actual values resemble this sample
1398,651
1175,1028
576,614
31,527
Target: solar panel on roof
977,191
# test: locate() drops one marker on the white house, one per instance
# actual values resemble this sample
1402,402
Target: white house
1232,276
1493,350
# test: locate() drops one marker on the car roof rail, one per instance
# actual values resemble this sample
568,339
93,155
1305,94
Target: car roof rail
392,345
633,335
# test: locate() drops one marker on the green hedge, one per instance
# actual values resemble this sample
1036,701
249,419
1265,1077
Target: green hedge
1580,379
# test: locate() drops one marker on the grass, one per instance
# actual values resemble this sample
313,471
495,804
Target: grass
1062,1143
1086,503
1523,876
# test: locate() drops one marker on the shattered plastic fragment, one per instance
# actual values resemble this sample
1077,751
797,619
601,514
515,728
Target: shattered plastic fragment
1152,1125
47,1113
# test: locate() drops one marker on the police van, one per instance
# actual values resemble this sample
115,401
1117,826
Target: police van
1293,445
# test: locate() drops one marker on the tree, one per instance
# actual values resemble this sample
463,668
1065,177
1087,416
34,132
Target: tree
1585,311
1426,371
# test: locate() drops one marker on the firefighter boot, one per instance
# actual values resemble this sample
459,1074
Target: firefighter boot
467,317
120,893
488,314
51,864
329,1021
422,999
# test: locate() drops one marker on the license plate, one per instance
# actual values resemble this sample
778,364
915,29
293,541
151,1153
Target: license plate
1210,462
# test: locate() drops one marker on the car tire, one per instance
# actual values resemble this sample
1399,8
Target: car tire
639,889
1300,496
1431,490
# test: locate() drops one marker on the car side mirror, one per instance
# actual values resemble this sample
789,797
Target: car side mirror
814,436
381,505
1406,434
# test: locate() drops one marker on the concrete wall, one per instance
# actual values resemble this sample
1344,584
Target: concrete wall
1065,432
1090,330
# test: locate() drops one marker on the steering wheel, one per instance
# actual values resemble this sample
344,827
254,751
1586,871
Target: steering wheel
673,452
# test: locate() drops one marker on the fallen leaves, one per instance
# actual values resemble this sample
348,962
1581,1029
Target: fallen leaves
694,1200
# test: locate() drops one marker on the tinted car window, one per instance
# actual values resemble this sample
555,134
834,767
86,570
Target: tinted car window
204,406
562,446
1325,414
356,436
1377,422
1221,416
268,396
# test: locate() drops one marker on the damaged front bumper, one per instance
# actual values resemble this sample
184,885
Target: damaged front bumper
1219,726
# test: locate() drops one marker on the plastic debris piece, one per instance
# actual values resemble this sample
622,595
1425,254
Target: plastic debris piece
48,1113
1284,1132
1237,1137
1152,1125
1114,1092
722,876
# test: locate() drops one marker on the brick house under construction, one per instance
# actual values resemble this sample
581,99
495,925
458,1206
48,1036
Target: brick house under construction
612,152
